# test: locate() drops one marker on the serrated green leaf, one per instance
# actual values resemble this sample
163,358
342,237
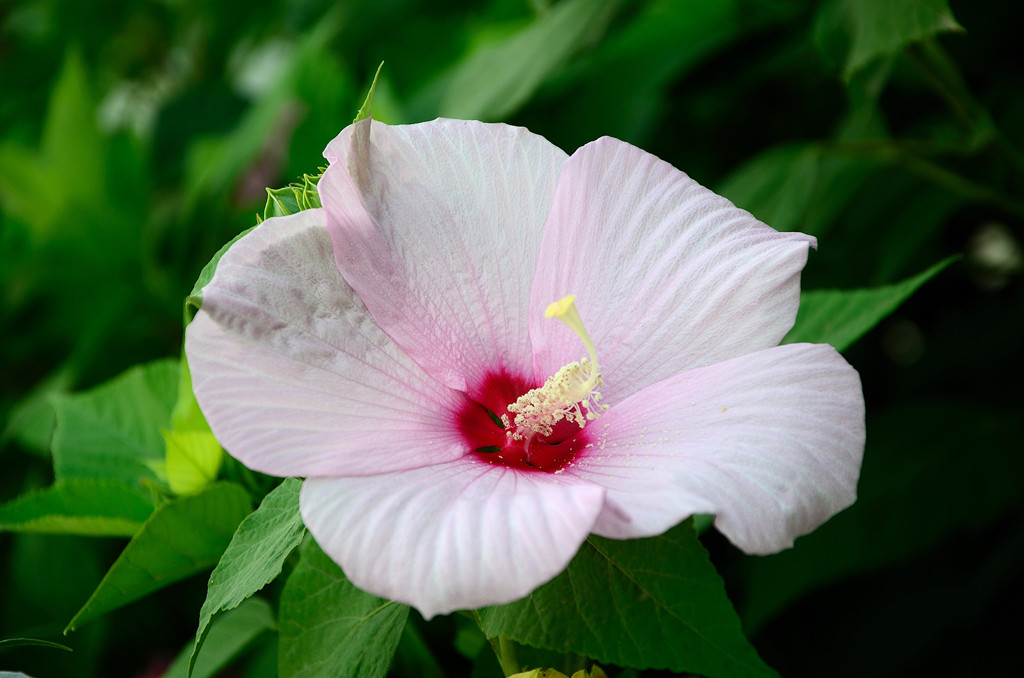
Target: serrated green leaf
840,317
255,555
293,198
182,537
113,430
330,628
195,298
228,637
882,27
86,506
281,202
644,603
496,79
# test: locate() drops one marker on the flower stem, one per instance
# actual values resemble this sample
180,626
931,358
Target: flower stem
504,649
508,656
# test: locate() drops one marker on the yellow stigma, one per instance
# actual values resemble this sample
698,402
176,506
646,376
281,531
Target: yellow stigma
568,394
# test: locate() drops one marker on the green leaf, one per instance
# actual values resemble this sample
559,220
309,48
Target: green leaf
195,298
228,637
882,27
255,555
31,421
776,186
330,628
113,430
496,79
645,603
366,110
841,317
87,506
182,537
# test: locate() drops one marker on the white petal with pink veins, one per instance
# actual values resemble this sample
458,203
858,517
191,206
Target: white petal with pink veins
770,442
460,535
294,376
667,275
437,228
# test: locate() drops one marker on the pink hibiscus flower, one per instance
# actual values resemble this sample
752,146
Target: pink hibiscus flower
392,347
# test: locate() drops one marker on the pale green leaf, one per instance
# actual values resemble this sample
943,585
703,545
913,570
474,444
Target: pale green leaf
255,555
497,78
113,430
646,603
330,628
86,506
182,537
840,317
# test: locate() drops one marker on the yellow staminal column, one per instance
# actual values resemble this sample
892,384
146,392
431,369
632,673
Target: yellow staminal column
569,394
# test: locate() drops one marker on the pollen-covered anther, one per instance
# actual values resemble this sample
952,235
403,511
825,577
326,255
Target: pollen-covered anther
569,394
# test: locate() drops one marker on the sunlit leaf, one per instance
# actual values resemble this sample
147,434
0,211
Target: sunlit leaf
193,460
330,628
113,430
182,537
644,603
840,317
86,506
186,415
255,555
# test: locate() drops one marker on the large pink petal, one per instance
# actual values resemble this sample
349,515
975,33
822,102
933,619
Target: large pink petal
668,275
294,376
437,227
770,442
455,536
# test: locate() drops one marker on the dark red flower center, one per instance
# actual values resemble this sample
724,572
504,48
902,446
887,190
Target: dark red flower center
488,437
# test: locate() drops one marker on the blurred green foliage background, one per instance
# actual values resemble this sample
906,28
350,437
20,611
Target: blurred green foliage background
136,137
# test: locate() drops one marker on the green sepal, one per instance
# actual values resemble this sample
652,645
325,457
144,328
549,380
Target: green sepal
366,110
